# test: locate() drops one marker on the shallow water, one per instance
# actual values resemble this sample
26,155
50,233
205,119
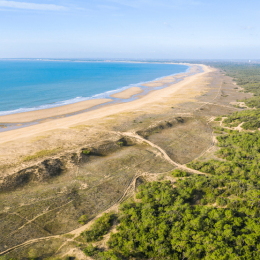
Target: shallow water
32,85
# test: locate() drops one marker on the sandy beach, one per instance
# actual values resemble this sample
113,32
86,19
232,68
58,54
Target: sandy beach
151,100
161,82
52,112
62,111
128,93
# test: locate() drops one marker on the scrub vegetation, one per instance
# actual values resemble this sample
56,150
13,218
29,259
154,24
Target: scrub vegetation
212,215
99,228
202,217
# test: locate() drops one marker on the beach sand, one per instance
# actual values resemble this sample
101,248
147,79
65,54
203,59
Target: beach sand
161,82
128,93
52,112
61,111
152,102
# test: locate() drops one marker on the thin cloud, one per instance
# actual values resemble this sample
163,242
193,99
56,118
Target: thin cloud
139,3
246,27
133,3
109,7
32,6
167,25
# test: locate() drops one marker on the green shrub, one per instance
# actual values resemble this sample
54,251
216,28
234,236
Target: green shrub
68,258
179,173
3,257
86,152
108,255
83,219
100,227
33,254
90,250
218,132
219,128
221,201
203,201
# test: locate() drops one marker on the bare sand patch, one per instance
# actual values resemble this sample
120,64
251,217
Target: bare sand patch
161,82
128,93
51,112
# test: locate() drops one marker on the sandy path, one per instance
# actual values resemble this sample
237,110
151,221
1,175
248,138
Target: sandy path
165,155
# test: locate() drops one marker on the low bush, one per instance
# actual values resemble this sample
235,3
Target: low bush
83,219
179,173
90,250
100,227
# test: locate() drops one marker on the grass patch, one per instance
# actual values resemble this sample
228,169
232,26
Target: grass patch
219,118
40,154
218,132
83,219
86,152
80,127
120,143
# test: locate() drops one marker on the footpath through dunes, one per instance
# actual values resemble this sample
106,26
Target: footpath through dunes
54,173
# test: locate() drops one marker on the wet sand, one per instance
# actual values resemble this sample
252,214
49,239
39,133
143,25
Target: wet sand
52,112
153,100
161,82
128,93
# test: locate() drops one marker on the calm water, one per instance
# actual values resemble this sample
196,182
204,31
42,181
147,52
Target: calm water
32,85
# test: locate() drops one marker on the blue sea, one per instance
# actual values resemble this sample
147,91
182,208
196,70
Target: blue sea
32,85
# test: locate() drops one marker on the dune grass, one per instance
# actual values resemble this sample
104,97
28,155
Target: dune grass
40,154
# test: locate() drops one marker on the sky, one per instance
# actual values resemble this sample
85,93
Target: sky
134,29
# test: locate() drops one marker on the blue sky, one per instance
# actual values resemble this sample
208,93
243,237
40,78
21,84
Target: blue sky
155,29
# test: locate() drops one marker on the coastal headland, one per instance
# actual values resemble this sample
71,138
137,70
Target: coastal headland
90,162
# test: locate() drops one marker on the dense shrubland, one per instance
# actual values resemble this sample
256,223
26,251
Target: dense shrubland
100,227
214,216
249,118
202,218
241,152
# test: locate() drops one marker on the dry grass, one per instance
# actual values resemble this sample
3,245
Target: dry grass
80,127
40,154
38,138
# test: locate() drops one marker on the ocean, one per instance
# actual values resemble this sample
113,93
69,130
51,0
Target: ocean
27,85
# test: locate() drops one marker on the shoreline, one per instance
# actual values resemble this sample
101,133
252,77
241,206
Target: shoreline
128,93
155,99
52,112
102,95
26,119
